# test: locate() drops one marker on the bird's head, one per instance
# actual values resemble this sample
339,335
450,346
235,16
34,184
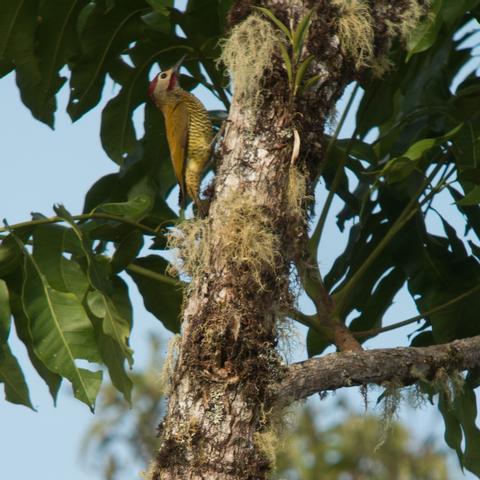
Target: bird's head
165,82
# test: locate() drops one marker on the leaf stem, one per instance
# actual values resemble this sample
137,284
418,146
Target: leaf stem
416,318
83,216
317,234
409,211
159,277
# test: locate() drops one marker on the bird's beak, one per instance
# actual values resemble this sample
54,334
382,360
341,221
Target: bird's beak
177,66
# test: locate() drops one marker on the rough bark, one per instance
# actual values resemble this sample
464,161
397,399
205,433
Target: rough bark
401,366
227,362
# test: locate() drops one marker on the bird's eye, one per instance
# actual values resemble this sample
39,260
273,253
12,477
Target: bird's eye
163,75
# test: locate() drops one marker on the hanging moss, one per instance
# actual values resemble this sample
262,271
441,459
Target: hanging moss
407,21
392,397
244,238
247,53
355,31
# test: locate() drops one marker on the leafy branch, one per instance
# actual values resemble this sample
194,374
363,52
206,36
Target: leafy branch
83,216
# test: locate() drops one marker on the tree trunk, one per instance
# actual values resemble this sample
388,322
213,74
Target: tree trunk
240,257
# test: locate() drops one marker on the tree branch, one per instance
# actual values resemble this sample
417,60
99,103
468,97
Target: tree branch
402,365
84,216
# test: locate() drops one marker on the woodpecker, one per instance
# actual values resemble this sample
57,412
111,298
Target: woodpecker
188,129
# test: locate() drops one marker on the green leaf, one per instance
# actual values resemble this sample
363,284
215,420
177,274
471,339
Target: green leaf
5,313
158,21
61,332
287,61
6,67
276,21
127,251
452,11
160,6
97,274
116,319
472,213
162,295
15,283
116,314
57,45
105,35
16,390
400,167
380,300
112,319
311,81
50,244
316,342
114,359
117,130
453,431
11,375
83,16
135,208
100,192
18,23
461,432
466,406
10,256
224,7
416,151
472,198
301,70
424,36
300,33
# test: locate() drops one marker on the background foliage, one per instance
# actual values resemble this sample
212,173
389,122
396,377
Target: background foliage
410,164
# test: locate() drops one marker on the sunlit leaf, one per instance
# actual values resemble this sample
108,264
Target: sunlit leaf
425,34
51,244
301,69
108,299
15,285
300,34
61,332
269,14
135,208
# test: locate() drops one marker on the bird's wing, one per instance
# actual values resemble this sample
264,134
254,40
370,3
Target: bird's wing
176,126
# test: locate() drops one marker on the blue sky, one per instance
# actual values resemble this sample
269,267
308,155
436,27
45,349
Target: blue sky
41,167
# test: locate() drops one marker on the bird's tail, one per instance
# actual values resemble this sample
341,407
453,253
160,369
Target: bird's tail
192,181
182,198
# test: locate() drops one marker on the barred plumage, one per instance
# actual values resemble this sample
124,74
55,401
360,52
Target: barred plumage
189,132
